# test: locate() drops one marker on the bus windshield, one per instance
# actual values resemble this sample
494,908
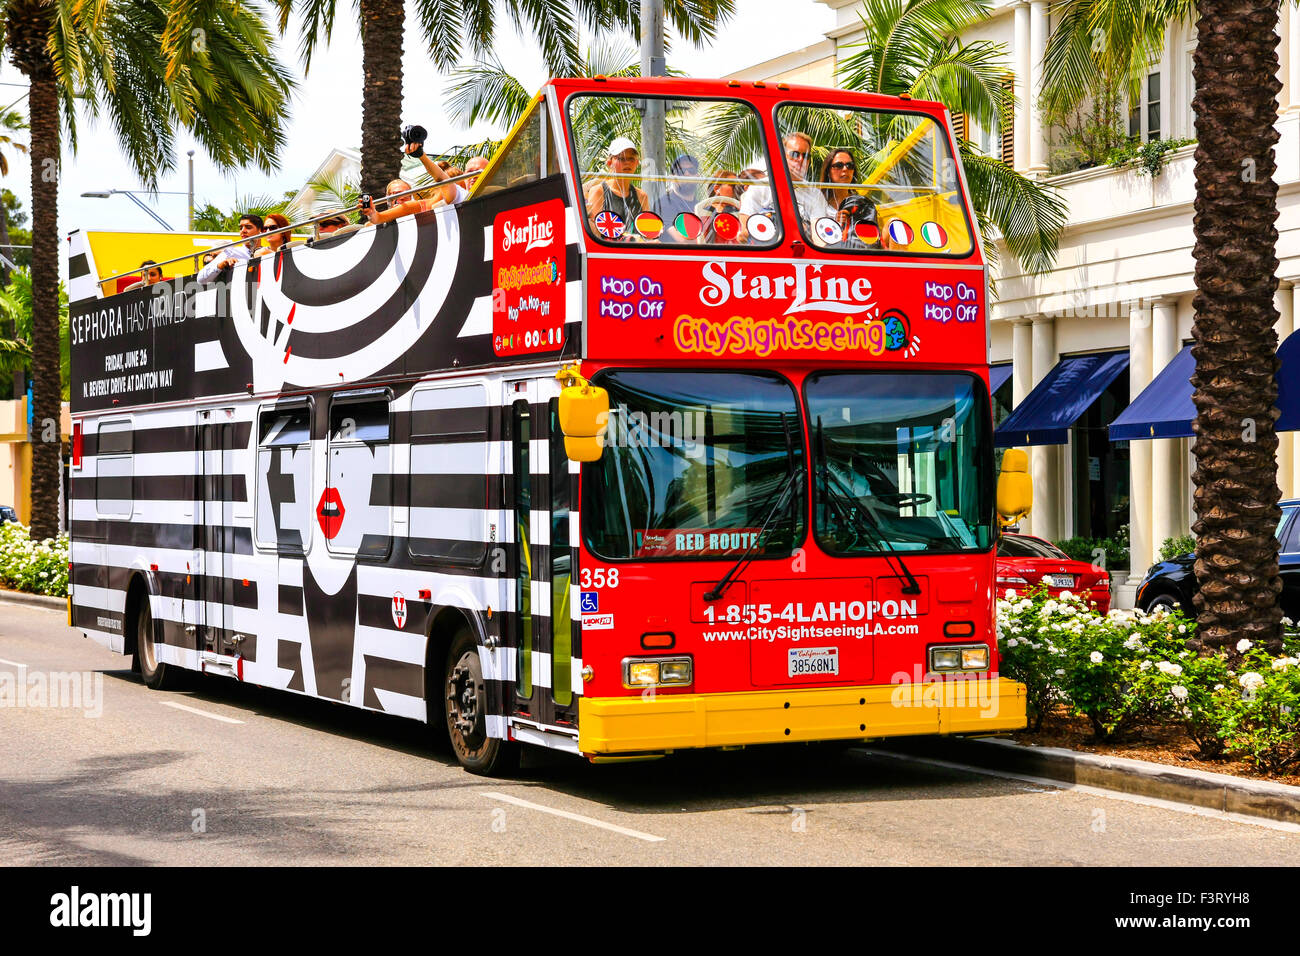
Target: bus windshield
872,181
667,171
694,462
911,452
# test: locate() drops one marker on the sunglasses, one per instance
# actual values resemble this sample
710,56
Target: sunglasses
844,166
796,154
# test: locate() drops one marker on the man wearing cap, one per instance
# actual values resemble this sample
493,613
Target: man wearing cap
679,197
616,193
810,200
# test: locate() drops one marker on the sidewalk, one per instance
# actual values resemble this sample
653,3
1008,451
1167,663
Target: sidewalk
1215,791
33,600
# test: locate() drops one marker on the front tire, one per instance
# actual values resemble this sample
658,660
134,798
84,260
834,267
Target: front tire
465,706
155,675
1166,601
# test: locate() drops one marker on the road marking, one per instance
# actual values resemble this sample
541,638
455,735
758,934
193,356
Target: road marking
1099,792
201,713
11,663
591,821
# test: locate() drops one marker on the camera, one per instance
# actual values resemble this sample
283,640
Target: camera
366,201
414,134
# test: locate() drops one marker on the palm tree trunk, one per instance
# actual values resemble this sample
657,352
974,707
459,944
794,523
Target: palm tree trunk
1235,69
382,24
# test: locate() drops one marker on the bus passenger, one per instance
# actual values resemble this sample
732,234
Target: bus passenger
149,277
407,206
680,197
727,187
276,242
476,164
414,137
812,204
250,224
616,193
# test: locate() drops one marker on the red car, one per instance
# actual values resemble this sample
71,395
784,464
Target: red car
1024,561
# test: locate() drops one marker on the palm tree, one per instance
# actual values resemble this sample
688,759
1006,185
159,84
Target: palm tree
16,310
451,28
911,47
1235,106
152,66
11,121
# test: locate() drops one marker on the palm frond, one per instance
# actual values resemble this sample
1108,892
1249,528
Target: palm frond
1029,215
486,91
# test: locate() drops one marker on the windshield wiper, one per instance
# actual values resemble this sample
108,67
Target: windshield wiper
793,474
861,516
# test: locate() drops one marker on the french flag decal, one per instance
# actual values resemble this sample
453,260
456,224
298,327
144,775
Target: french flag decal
900,232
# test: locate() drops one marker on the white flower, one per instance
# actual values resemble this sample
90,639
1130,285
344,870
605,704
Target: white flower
1288,622
1166,667
1250,680
1010,593
1179,691
1243,646
1218,687
1059,672
1096,657
1182,628
1144,666
1067,594
1282,663
1012,642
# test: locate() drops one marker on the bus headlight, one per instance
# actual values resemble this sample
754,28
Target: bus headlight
959,657
642,672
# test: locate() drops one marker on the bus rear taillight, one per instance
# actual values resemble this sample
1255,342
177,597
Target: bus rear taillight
642,672
76,444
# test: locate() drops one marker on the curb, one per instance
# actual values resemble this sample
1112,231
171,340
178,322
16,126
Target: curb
34,600
1215,791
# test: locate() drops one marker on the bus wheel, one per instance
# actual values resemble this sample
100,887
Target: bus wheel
465,703
155,675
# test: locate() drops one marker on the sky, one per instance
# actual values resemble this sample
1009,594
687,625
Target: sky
326,112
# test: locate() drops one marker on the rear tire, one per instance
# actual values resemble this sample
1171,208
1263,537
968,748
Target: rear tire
465,706
154,674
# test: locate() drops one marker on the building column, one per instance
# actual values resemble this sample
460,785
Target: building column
1139,454
1286,474
1166,473
1292,57
1024,58
1037,49
1044,460
1022,383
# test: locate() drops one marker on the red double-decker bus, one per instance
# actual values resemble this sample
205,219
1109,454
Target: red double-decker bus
675,434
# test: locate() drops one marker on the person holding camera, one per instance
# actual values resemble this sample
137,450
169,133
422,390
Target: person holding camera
413,137
405,207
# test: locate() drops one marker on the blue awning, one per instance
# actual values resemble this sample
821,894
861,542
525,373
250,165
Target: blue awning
1064,394
998,375
1288,384
1164,409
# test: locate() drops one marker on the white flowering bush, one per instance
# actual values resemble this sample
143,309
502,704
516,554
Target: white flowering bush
40,567
1128,667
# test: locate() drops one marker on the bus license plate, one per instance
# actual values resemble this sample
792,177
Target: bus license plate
813,661
1062,580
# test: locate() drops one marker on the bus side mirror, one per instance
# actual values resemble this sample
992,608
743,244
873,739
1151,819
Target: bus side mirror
583,413
1015,488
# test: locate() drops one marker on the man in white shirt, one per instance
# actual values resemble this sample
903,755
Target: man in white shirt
810,200
249,226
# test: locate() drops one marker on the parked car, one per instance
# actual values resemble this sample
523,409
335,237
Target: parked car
1172,583
1024,561
8,514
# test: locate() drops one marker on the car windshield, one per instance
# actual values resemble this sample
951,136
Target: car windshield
1024,546
694,462
872,181
663,171
911,450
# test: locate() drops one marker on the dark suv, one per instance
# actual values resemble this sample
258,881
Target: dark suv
1172,583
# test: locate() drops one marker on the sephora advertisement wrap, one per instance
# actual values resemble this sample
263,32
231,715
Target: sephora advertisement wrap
716,310
411,297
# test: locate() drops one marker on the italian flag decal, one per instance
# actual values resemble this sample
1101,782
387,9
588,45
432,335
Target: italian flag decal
934,235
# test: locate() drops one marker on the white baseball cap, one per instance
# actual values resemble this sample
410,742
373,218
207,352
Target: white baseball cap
621,145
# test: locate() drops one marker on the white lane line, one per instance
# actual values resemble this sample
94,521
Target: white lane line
11,663
1100,792
590,821
201,713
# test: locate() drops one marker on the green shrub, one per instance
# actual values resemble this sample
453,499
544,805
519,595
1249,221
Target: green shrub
40,567
1109,553
1174,547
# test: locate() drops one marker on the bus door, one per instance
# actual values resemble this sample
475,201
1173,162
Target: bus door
539,502
216,572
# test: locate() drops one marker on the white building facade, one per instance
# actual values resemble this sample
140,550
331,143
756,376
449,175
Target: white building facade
1122,285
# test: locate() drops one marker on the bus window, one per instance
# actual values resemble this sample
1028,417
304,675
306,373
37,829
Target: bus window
449,459
355,512
874,181
283,516
667,171
694,463
561,565
527,156
114,494
911,453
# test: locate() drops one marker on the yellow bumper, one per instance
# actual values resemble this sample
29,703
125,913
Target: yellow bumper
680,721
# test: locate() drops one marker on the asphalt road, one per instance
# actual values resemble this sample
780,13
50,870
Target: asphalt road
221,773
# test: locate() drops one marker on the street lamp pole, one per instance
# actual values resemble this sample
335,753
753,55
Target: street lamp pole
191,193
652,119
130,194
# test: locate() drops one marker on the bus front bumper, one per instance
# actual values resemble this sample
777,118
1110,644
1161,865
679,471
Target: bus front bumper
662,722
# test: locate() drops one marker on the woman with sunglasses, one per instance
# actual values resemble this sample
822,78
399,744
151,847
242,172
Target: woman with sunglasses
839,171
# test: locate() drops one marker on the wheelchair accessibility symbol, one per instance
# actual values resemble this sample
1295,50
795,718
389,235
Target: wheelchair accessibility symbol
589,602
